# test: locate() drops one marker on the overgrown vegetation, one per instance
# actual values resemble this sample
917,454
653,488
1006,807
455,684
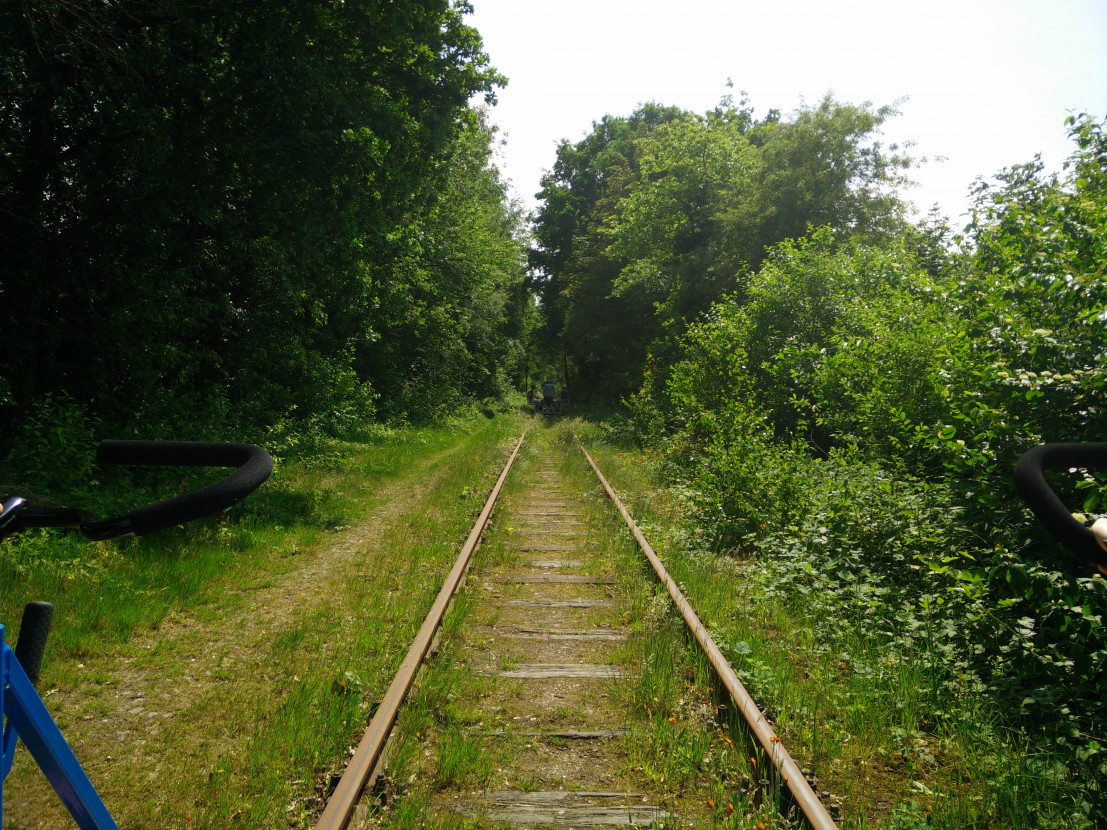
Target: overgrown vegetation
849,421
282,223
860,710
220,219
653,217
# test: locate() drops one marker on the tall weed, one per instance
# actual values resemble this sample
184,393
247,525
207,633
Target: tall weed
851,422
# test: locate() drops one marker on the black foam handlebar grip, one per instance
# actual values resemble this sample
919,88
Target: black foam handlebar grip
1054,516
32,637
254,467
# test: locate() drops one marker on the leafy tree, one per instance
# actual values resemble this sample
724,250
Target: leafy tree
826,167
454,305
650,220
574,274
1036,291
195,195
688,224
849,344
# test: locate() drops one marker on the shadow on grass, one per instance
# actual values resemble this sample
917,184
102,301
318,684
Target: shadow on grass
279,505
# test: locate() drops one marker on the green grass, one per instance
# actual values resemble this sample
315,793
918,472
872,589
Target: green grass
257,652
680,747
462,761
868,721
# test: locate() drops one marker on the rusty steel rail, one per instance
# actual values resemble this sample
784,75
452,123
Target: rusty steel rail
813,809
340,806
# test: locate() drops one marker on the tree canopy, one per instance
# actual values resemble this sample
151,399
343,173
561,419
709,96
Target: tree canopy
214,212
653,217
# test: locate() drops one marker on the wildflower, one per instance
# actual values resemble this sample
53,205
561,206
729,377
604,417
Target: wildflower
753,760
773,739
711,803
729,808
672,720
760,825
729,741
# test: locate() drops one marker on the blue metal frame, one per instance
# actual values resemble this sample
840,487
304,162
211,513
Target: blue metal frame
25,717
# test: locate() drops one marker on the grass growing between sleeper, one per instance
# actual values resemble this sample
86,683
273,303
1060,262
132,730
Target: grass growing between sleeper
682,743
683,739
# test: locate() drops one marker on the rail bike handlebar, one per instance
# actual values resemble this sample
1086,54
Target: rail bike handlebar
1089,544
33,631
23,714
254,465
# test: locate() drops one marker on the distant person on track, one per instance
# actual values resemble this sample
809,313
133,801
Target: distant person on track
547,396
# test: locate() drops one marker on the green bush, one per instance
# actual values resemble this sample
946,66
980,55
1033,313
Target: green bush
54,451
852,420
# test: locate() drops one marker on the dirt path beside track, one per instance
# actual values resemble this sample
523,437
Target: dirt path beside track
187,699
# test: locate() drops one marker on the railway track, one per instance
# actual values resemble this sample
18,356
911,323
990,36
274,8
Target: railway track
552,698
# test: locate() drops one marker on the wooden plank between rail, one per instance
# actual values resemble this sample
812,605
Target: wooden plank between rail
549,579
563,809
545,671
340,806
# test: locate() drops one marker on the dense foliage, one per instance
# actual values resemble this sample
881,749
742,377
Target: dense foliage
219,216
651,218
851,418
454,314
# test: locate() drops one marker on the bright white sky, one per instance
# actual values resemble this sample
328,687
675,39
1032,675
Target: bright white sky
987,83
